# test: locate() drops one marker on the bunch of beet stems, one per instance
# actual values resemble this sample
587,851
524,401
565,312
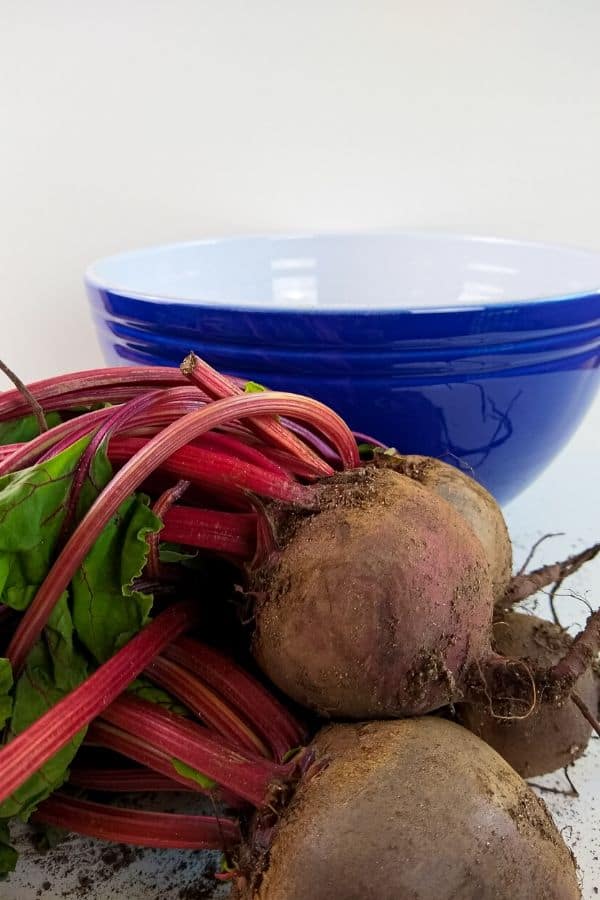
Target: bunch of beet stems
237,736
164,425
165,429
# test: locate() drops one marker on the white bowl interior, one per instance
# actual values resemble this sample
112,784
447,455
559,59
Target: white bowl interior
350,272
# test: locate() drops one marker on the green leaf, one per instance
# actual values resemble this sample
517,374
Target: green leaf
146,690
98,476
253,387
8,854
175,553
33,503
20,431
6,683
107,611
101,609
183,769
53,668
365,450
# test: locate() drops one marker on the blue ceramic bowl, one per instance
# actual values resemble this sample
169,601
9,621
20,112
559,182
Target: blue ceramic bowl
481,351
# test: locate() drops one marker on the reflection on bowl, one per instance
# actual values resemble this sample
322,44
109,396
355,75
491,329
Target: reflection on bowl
480,351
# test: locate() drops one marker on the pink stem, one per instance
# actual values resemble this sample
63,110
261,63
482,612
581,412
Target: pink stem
137,827
170,404
361,438
53,441
91,382
221,532
114,394
160,509
126,781
29,750
120,416
249,777
144,752
289,463
207,469
241,691
218,386
206,704
139,467
323,448
233,446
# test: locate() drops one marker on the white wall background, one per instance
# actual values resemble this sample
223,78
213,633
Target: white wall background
127,122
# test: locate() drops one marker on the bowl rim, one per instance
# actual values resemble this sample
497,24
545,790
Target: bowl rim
93,280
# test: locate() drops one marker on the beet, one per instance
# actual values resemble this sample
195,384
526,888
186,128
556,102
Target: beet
471,500
378,604
376,601
552,736
411,810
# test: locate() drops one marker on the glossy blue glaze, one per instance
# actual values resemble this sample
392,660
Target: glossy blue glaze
495,385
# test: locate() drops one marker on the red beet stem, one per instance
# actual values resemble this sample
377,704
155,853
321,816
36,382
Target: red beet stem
207,704
207,469
28,751
7,449
114,394
52,441
123,781
289,463
139,467
223,532
314,440
103,734
119,417
233,446
138,827
269,717
160,509
173,403
93,382
144,752
249,778
218,386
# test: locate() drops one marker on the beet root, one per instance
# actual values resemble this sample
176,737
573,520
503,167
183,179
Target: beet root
552,736
376,605
472,501
412,810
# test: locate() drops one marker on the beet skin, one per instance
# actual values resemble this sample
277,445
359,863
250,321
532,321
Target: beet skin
414,809
376,605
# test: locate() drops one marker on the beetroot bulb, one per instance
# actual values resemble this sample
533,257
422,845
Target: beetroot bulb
471,500
552,737
407,810
377,604
380,604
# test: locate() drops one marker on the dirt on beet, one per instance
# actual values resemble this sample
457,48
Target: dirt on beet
377,603
415,809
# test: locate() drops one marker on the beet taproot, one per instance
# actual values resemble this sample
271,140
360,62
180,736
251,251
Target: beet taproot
552,736
410,810
469,498
376,605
